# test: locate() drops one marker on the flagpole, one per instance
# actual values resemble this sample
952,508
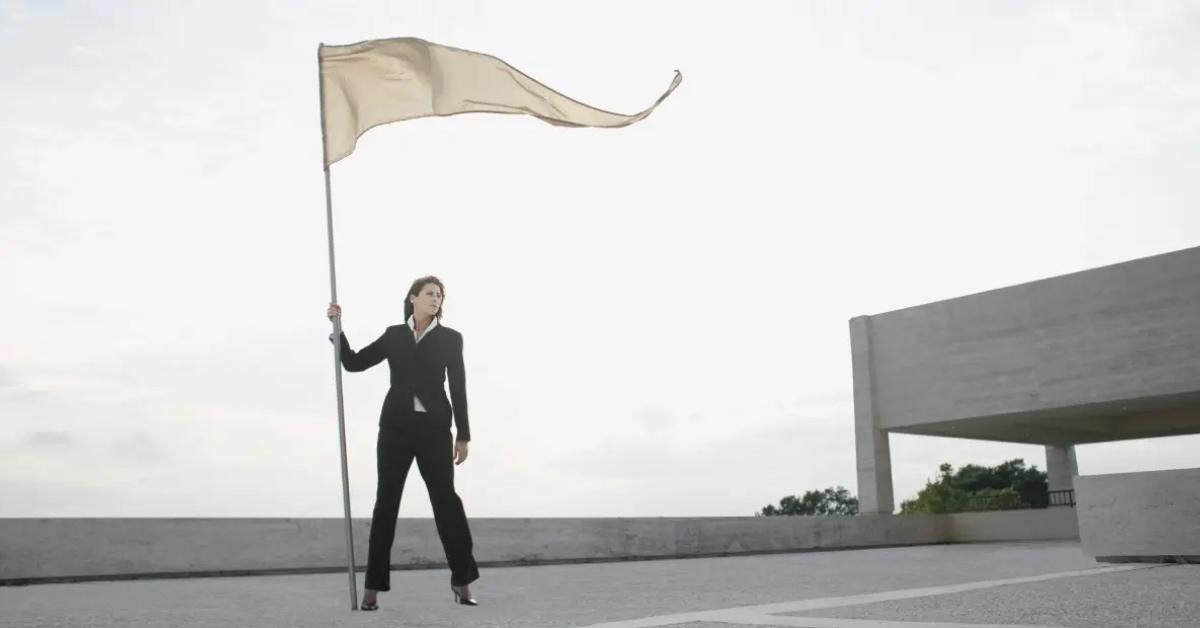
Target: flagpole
337,350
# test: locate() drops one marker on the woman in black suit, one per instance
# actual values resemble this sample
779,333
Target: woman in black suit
415,424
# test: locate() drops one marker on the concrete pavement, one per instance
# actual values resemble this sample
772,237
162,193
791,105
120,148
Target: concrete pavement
1031,584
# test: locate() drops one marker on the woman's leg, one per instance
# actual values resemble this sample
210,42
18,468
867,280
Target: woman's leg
435,459
393,458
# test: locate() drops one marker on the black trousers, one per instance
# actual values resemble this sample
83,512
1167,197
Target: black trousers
430,443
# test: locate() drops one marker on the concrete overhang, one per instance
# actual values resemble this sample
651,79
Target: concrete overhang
1146,417
1106,354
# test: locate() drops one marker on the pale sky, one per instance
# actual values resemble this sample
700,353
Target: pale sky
655,317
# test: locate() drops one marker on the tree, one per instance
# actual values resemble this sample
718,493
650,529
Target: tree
973,487
831,501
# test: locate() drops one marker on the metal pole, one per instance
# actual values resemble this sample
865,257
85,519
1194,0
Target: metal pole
337,352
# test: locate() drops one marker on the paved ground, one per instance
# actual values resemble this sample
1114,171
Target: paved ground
1010,584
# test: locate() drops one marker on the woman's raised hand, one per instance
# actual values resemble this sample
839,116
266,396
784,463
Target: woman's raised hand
334,311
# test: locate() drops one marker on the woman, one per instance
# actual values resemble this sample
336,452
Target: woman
415,424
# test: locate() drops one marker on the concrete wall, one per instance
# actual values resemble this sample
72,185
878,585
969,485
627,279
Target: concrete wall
1103,336
33,550
1043,524
1148,516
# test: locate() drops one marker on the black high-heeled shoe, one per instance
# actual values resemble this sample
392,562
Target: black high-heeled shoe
368,606
462,599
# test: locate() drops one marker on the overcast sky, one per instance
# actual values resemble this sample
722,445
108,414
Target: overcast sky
655,317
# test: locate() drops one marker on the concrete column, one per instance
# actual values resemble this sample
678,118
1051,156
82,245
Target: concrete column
1061,467
873,456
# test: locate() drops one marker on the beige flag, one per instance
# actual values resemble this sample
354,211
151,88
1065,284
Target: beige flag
375,82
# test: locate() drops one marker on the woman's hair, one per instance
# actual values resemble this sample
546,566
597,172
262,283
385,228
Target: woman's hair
415,290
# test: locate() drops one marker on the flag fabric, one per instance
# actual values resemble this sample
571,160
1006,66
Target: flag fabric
380,81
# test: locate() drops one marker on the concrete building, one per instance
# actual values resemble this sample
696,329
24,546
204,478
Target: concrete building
1107,354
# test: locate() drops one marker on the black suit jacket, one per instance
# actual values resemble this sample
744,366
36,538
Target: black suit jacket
417,369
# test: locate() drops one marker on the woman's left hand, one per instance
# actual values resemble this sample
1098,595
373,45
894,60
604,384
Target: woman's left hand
460,451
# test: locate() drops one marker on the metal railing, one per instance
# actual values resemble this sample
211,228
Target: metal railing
1007,502
1063,497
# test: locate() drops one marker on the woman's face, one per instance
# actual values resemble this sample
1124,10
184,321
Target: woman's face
428,301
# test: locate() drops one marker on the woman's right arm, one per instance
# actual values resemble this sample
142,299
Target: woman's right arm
355,361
